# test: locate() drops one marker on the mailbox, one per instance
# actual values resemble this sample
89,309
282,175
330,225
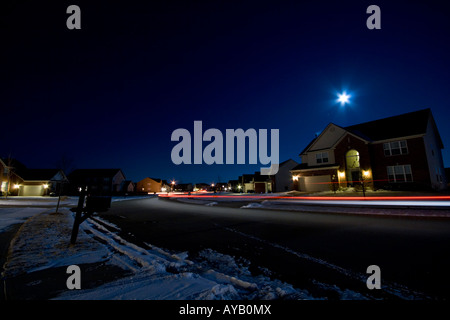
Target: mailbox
98,203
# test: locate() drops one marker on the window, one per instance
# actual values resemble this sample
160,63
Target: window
395,148
322,157
399,173
352,159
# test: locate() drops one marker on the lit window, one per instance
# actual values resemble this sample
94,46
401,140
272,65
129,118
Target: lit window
395,148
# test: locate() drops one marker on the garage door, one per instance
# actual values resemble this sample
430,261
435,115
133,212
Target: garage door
260,187
315,183
30,191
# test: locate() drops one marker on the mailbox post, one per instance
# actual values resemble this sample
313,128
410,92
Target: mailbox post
87,205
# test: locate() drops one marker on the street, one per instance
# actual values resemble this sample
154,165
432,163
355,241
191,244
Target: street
321,252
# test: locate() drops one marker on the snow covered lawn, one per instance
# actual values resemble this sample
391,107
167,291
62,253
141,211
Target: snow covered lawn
43,243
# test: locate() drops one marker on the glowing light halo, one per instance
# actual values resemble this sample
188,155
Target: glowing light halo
343,98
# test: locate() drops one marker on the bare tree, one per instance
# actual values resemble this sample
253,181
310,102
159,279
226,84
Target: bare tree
66,165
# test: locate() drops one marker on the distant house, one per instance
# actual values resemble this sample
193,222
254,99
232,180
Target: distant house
400,152
201,187
127,187
233,186
150,185
18,180
255,183
98,181
183,187
9,179
282,180
220,186
41,182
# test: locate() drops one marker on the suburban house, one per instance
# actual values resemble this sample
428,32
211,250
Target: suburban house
233,186
18,180
151,185
201,187
98,181
255,183
41,182
127,187
183,187
401,152
282,180
8,176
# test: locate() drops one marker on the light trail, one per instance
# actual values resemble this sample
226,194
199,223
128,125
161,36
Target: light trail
338,200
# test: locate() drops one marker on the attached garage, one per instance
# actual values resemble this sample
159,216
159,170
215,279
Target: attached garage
314,183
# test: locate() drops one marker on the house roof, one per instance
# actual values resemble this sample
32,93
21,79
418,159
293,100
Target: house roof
14,163
309,145
403,125
97,173
39,174
408,124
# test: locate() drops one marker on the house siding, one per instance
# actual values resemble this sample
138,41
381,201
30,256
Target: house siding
416,157
148,185
438,179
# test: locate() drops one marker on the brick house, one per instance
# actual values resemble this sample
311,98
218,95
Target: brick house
401,152
151,185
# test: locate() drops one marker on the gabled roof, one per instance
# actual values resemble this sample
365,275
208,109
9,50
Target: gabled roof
39,174
13,163
408,124
286,161
404,125
93,173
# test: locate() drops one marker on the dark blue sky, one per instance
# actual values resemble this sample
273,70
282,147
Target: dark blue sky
110,94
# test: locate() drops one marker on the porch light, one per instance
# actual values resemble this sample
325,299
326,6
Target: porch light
366,173
45,186
295,178
16,186
341,174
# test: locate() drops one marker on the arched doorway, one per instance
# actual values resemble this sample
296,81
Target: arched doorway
353,169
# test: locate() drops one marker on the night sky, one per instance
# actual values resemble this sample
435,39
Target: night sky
111,94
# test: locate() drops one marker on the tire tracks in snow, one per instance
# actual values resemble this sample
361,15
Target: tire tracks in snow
391,288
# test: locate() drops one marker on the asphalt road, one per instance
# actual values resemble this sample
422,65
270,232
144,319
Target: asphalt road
314,251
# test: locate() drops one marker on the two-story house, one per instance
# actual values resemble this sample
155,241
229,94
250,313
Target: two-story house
401,152
98,181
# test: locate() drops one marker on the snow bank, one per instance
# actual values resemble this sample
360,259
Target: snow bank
43,242
253,205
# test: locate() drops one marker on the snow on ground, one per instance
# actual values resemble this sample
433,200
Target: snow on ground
11,216
43,242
